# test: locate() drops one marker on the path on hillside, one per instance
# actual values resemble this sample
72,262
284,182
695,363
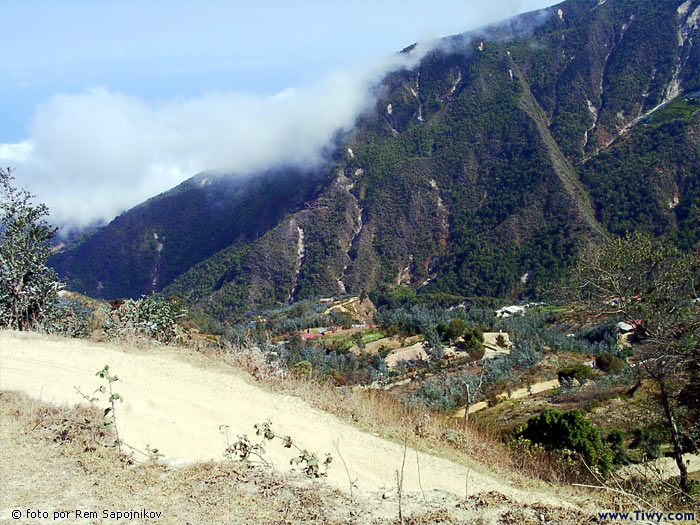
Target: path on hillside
661,468
535,388
178,407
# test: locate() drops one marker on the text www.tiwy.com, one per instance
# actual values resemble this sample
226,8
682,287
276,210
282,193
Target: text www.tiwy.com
649,516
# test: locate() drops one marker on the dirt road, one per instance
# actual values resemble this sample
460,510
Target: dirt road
535,388
177,404
661,468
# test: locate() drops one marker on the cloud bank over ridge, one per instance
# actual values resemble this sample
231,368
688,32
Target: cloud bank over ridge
93,154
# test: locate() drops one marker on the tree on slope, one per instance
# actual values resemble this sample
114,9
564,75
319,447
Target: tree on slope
28,288
652,283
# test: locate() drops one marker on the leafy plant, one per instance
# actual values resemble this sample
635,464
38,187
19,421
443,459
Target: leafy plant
569,431
28,287
243,449
145,317
73,318
110,413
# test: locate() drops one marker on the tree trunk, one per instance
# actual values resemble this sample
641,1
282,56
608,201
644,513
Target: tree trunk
468,404
675,438
15,310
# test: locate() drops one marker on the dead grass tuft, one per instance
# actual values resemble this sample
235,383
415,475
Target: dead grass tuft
427,518
44,441
469,444
43,464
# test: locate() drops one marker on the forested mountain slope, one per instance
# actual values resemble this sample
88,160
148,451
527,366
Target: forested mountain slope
483,170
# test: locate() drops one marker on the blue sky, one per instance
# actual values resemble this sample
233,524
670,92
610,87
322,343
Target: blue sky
87,83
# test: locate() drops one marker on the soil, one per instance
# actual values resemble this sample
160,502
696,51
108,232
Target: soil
177,400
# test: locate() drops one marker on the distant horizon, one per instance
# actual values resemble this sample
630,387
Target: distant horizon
156,86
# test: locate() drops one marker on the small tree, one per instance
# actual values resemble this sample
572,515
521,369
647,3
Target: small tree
456,329
474,339
643,279
28,288
569,431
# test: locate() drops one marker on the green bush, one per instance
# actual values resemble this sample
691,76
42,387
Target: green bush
647,441
616,441
474,339
145,317
569,431
302,369
610,364
579,372
73,319
456,328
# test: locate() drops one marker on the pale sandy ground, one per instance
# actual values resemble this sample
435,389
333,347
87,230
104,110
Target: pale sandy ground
662,468
414,352
535,388
491,340
177,404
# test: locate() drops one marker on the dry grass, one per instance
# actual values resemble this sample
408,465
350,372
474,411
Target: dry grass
60,459
54,447
475,446
380,413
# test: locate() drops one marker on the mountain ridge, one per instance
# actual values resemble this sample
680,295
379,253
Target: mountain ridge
481,171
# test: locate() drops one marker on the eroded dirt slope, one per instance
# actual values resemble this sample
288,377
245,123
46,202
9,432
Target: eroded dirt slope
178,403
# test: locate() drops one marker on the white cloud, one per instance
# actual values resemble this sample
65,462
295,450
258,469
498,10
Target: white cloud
94,154
15,152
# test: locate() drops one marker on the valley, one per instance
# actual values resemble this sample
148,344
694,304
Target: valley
476,304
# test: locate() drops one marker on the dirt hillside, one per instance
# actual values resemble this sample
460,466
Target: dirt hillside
177,403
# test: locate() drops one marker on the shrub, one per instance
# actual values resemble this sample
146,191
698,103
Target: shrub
148,316
648,442
570,431
616,441
609,363
441,329
392,330
579,372
456,328
73,318
474,338
302,369
501,340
